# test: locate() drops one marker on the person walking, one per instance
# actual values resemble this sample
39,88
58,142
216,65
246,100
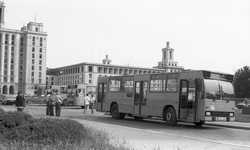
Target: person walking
20,102
58,105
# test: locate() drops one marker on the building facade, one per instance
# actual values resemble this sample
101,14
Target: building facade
82,78
22,58
167,63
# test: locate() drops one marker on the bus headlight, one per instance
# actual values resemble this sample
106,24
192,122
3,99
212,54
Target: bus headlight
231,114
208,113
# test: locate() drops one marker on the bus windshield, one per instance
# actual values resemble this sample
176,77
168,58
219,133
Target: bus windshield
218,90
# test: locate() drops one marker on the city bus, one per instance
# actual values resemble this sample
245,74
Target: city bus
188,96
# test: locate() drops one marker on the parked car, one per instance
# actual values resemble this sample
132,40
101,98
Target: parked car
2,98
241,105
9,100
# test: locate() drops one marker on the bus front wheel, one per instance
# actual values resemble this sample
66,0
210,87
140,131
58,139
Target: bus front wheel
170,116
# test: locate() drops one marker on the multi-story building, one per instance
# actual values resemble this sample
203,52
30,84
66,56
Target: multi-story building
83,77
168,63
22,58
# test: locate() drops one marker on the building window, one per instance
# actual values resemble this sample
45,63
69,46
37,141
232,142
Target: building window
41,50
90,75
37,29
90,68
40,62
40,68
40,56
110,70
99,69
105,70
33,55
40,74
32,74
33,49
90,81
32,67
13,39
6,38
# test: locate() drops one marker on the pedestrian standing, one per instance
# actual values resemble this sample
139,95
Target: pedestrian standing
20,102
86,103
51,104
92,103
48,105
58,105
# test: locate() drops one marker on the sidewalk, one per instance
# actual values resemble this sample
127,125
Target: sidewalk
233,124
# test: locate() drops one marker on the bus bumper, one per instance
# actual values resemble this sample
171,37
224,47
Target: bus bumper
219,116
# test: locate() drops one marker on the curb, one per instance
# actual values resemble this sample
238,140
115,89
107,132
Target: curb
229,126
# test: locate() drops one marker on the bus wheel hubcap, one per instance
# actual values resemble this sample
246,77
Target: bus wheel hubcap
168,116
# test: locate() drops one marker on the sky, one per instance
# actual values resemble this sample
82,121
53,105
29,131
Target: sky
206,34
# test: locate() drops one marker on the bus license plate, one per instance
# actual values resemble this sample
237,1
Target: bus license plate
221,118
208,118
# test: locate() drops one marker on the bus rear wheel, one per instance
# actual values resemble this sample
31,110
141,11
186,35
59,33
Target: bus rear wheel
170,116
115,112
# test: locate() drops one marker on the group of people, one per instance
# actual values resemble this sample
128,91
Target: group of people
89,102
53,101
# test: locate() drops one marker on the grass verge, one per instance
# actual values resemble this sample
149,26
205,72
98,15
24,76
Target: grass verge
20,131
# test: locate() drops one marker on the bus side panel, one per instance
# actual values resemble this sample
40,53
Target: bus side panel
157,101
126,104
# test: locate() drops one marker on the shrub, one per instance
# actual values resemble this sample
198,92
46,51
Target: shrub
48,131
2,111
11,120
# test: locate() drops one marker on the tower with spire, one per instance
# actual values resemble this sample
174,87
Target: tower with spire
168,62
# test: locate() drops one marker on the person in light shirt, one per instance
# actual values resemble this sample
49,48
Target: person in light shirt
86,103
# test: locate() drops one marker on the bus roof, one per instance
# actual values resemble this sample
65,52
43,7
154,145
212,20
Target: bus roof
205,73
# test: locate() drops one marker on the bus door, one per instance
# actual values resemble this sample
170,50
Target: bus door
101,94
141,89
187,101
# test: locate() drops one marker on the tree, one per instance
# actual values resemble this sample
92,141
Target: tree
242,82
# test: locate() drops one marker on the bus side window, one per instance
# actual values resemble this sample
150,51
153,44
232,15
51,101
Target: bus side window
128,88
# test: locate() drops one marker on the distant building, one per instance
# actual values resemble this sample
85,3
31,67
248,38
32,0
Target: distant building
22,58
168,63
82,78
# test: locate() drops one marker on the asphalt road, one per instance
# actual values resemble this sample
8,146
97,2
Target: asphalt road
148,134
